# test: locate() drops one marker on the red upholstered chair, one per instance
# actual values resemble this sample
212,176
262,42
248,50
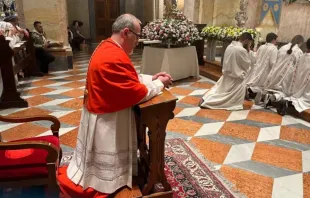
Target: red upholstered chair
31,161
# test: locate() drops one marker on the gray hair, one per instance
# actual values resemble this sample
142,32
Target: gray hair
124,21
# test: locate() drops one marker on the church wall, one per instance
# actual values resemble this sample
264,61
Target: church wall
294,20
253,13
225,11
134,7
52,14
78,10
207,12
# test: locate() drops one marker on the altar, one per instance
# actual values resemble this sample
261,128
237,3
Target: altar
179,62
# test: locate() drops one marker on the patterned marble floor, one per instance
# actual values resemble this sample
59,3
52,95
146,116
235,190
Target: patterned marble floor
261,153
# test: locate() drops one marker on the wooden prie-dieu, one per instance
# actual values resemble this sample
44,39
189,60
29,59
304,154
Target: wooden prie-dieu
154,115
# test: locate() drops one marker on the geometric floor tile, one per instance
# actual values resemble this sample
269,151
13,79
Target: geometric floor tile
188,112
288,187
295,134
209,129
269,154
251,184
245,132
269,133
263,169
306,161
213,151
238,115
240,153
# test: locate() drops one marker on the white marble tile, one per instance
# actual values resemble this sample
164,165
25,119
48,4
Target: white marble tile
60,114
198,92
58,77
306,161
269,133
188,112
59,72
240,153
180,97
209,129
55,102
59,91
10,111
304,122
287,120
83,80
257,107
26,97
57,84
8,126
288,187
217,167
62,131
238,115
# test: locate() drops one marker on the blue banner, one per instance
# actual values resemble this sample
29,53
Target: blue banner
275,6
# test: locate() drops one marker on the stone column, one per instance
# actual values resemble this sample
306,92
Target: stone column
20,13
160,9
192,9
52,14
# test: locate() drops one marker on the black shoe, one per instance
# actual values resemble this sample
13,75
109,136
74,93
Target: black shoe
282,108
267,101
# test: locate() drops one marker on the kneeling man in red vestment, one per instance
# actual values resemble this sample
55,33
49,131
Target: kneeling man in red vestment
105,158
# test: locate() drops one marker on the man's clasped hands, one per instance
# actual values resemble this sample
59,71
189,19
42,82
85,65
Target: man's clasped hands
165,78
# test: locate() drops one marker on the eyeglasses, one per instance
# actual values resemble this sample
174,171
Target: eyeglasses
137,35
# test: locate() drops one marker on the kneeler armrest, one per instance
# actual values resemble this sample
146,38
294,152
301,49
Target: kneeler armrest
54,127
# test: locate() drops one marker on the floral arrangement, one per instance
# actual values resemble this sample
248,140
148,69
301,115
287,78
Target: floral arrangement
174,29
227,33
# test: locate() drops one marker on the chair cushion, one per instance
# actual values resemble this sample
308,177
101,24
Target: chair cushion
26,157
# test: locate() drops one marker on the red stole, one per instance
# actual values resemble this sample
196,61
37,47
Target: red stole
112,82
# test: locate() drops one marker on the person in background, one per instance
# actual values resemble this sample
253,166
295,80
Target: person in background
41,43
279,80
266,58
77,37
230,90
14,29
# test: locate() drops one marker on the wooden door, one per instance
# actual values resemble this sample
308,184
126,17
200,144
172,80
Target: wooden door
106,11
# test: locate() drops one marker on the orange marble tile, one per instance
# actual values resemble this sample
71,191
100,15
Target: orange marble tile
241,131
43,82
213,151
295,135
74,84
250,184
39,90
306,178
33,111
278,156
74,93
70,138
214,114
247,104
186,127
73,78
72,118
266,117
177,110
76,104
37,100
202,85
26,130
191,100
180,91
